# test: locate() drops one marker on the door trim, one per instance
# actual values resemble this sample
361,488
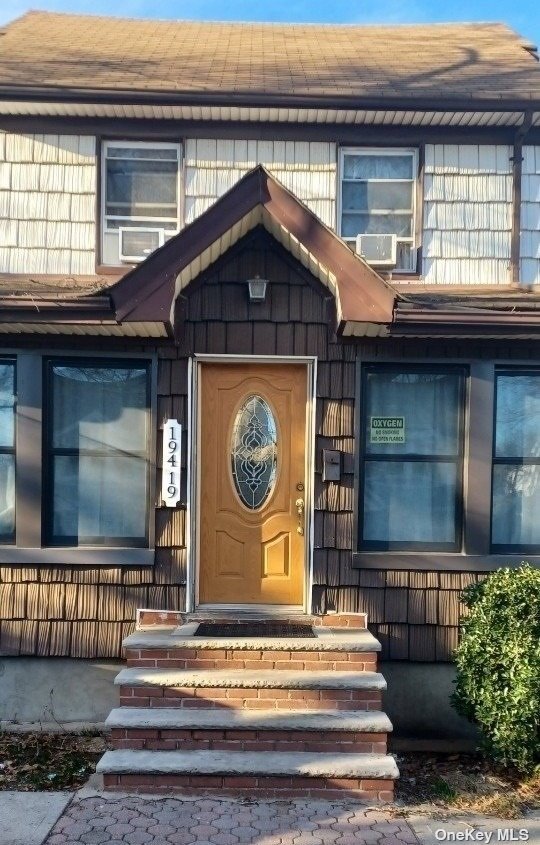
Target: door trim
193,468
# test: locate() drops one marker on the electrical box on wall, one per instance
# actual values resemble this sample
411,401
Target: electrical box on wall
331,465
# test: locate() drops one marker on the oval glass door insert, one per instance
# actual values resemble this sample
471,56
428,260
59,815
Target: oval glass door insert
254,452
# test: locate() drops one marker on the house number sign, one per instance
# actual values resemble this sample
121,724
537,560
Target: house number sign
172,454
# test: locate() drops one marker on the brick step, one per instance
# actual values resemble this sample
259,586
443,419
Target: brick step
270,773
169,729
343,649
284,689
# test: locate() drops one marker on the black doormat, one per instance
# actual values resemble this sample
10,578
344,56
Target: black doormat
253,629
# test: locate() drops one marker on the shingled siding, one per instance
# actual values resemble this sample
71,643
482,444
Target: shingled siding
308,169
47,203
467,214
530,216
82,612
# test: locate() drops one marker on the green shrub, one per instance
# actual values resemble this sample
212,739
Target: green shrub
498,665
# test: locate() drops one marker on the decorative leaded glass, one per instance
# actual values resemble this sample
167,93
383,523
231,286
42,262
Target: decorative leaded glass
254,452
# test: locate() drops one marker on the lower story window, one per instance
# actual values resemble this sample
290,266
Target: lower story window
412,456
516,463
7,451
98,427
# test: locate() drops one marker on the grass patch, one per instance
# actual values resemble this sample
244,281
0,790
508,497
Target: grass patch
48,761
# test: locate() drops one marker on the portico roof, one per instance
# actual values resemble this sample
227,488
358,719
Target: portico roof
148,292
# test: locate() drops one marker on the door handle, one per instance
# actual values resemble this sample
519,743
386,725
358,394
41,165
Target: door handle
300,511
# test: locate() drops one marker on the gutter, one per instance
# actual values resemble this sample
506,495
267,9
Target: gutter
42,310
452,322
256,99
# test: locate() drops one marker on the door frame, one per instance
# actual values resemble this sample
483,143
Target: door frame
194,482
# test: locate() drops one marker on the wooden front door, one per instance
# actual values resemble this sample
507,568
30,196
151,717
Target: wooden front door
252,452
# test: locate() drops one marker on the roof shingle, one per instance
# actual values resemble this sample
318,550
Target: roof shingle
451,61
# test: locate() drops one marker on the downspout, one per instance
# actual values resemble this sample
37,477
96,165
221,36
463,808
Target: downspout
517,167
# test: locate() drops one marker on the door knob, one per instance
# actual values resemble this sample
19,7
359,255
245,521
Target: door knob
300,507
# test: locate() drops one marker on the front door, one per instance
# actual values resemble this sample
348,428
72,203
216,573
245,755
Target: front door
252,452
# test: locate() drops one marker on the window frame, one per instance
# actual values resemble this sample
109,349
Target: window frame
415,238
368,546
49,540
10,540
28,548
508,548
105,145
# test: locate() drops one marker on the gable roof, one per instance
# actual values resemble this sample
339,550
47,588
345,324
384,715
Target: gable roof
148,292
254,62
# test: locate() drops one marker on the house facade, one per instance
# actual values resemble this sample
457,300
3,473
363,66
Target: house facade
315,250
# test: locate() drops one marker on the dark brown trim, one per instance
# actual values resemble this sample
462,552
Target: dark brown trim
419,221
517,167
256,98
462,321
478,461
439,562
345,134
91,557
91,309
147,292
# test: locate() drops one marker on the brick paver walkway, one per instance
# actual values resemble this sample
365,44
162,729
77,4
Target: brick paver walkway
119,820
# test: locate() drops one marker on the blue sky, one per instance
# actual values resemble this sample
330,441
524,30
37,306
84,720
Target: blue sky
522,15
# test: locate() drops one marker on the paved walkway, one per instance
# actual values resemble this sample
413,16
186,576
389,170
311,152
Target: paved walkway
27,817
97,819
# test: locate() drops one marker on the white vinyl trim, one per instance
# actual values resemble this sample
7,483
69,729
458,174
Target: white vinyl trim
170,225
193,490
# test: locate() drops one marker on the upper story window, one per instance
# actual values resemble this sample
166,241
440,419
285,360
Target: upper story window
378,196
140,199
516,463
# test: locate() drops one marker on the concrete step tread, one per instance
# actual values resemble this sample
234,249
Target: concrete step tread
163,718
272,763
326,639
250,678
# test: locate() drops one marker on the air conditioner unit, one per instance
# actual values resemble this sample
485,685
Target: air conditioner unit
378,250
136,244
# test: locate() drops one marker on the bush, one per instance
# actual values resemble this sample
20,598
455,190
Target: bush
498,665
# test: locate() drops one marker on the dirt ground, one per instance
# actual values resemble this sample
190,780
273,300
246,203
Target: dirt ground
65,761
48,761
464,782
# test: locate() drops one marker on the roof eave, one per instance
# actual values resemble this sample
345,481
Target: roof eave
259,98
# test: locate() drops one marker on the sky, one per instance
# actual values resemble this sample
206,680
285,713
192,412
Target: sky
522,15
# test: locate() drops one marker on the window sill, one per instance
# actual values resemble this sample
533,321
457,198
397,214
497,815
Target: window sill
441,561
78,556
114,269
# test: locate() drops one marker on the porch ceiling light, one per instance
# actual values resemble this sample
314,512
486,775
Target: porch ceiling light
257,289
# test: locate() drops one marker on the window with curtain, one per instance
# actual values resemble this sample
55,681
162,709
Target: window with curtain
140,191
378,197
98,458
412,457
7,451
515,523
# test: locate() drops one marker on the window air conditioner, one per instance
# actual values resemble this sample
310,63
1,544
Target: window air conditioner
137,244
378,250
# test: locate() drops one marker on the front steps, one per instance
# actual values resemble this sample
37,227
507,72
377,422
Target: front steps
279,717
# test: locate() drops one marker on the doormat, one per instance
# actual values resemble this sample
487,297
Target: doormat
270,630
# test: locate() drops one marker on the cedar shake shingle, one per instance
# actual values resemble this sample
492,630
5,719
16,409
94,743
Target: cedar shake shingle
472,60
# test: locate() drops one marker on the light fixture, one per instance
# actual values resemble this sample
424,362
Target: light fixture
257,289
